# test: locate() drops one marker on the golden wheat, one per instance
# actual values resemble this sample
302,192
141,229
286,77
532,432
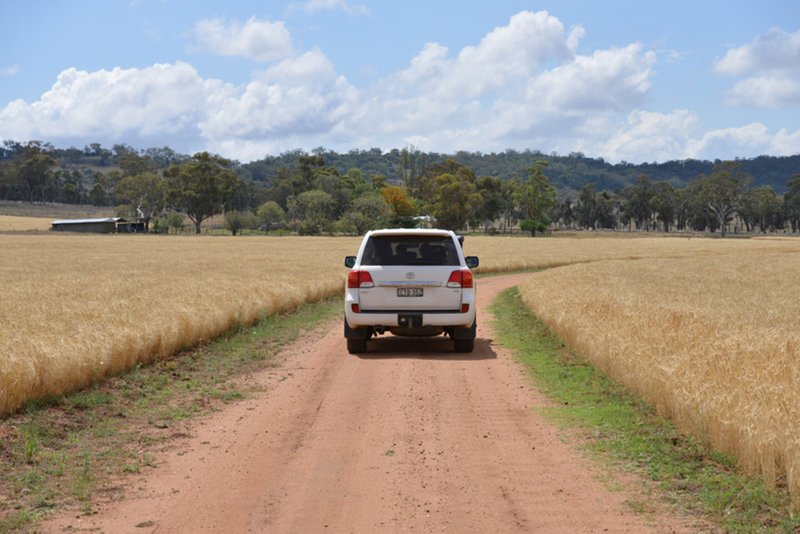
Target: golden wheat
504,254
707,330
12,223
77,308
713,342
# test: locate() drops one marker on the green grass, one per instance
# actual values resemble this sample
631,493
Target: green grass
57,452
620,429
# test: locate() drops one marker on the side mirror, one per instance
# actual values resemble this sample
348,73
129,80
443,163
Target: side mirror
349,261
472,261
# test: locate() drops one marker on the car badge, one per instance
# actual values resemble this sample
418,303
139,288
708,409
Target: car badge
410,276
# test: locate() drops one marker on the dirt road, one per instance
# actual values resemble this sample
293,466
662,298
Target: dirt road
409,437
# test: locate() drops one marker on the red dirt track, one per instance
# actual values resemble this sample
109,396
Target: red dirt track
408,437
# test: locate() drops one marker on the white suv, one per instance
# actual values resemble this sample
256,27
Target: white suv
411,283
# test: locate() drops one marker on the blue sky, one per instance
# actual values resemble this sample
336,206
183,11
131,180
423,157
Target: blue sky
623,80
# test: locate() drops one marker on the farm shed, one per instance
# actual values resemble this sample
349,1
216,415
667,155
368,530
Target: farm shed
96,226
131,227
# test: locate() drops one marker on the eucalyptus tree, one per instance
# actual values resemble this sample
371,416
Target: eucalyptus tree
720,193
791,202
202,186
146,193
535,197
664,203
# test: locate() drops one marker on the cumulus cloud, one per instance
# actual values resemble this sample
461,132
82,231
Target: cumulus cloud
261,40
751,138
296,99
766,92
608,80
506,56
162,101
523,85
770,66
650,136
465,101
314,6
776,50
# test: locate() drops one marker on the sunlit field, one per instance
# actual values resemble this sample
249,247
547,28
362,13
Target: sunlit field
712,341
708,330
76,308
12,223
504,254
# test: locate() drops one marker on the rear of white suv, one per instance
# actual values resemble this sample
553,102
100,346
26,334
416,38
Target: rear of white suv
410,283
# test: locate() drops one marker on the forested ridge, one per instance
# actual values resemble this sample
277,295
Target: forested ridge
328,192
567,173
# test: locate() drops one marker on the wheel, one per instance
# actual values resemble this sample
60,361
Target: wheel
354,346
465,345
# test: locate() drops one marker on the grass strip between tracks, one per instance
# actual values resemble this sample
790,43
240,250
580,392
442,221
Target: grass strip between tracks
73,450
619,429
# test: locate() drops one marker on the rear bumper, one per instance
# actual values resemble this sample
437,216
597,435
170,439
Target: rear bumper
357,320
391,318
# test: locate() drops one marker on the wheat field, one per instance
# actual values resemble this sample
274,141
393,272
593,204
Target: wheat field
77,308
13,223
707,330
711,341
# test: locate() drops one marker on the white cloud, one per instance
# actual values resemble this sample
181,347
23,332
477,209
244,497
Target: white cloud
261,40
766,92
770,66
575,35
506,56
752,138
785,143
162,101
315,6
453,100
775,50
650,136
523,85
615,79
299,98
9,71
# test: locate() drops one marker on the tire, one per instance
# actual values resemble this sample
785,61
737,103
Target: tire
465,345
356,346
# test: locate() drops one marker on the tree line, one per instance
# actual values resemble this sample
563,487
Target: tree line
309,195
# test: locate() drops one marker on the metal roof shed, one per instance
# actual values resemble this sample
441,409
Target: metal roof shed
97,226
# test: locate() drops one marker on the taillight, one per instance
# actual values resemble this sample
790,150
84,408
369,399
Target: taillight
362,279
462,278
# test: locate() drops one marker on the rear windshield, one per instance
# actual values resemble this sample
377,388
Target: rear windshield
410,250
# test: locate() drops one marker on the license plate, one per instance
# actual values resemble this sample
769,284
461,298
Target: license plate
409,291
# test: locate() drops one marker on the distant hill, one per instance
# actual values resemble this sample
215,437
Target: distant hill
567,173
53,210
